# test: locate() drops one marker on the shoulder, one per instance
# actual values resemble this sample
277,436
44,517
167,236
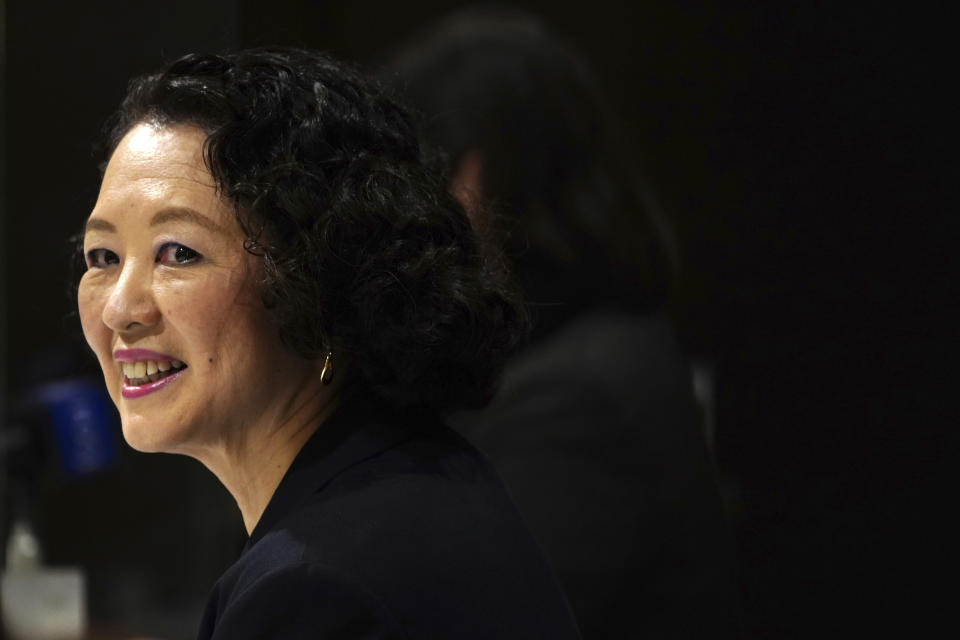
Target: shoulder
420,539
605,368
407,507
296,600
604,349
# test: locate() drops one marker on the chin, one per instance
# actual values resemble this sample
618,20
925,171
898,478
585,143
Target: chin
147,437
140,439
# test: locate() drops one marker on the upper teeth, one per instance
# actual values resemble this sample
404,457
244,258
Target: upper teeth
145,368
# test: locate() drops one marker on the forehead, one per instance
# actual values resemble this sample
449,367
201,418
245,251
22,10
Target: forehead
154,151
156,167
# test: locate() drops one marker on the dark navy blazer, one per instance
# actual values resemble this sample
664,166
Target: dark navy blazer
388,528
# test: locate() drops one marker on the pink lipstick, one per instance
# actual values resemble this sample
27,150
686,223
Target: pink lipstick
138,391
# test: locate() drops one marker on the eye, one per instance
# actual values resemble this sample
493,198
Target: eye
174,254
101,258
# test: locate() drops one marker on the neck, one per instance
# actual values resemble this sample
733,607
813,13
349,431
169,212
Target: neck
252,458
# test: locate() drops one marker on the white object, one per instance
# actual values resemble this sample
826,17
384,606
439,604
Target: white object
44,604
23,548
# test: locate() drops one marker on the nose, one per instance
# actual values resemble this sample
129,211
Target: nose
131,305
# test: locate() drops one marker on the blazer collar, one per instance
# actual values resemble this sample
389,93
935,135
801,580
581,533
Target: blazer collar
360,428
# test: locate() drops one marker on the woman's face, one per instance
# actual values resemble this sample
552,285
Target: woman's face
170,302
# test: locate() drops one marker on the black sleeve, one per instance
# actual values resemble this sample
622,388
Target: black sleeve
302,601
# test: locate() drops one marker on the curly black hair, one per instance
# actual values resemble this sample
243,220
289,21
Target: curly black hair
365,251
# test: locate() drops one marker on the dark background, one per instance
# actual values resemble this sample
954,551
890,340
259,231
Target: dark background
802,152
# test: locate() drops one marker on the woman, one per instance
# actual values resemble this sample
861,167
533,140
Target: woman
278,288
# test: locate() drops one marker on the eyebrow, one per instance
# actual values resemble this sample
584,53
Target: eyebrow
95,224
185,214
170,214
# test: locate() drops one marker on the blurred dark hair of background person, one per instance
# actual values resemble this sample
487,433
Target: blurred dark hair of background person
537,154
595,429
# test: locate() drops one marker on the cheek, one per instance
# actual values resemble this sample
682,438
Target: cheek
221,321
90,302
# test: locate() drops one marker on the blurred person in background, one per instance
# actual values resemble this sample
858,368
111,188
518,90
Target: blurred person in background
278,287
595,430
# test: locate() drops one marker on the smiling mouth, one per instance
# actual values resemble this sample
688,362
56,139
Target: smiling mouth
143,372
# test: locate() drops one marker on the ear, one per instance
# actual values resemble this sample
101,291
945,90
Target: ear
466,185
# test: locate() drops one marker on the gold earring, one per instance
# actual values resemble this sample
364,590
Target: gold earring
327,374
